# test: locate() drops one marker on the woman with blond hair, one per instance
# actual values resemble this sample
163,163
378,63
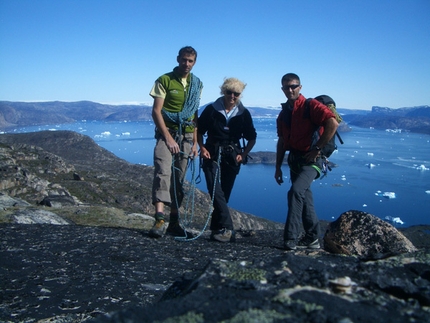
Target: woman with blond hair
225,122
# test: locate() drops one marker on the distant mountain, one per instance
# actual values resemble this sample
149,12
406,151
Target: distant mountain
414,119
343,111
19,114
420,111
15,114
256,112
264,112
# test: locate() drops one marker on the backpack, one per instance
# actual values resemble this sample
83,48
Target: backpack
331,146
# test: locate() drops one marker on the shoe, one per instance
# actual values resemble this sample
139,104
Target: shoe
223,235
290,245
157,230
308,243
176,230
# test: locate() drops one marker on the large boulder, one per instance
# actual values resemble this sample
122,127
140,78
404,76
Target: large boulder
58,201
35,216
7,202
365,235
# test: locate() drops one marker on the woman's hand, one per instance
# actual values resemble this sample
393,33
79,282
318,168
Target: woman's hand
204,153
239,158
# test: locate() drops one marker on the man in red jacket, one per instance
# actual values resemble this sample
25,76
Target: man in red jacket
295,127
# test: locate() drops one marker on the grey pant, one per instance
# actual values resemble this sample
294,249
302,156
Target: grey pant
170,171
301,211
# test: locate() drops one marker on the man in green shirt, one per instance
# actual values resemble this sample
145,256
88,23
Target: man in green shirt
176,102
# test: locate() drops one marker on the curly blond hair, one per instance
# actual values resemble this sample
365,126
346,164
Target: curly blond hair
233,84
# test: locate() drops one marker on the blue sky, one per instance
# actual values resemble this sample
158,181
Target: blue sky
362,53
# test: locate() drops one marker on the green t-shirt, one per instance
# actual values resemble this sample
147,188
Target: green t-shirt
175,96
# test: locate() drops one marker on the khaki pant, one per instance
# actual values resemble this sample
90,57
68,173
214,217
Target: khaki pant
170,171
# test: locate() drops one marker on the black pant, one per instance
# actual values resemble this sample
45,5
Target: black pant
220,191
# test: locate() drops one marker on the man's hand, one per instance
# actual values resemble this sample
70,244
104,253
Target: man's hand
278,176
172,145
311,156
194,151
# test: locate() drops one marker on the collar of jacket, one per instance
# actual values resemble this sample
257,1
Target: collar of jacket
219,106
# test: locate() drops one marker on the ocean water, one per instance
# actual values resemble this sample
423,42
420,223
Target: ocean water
385,173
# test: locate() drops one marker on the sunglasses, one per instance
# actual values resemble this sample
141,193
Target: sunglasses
292,86
236,94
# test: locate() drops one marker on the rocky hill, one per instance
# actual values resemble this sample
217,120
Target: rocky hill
65,167
74,247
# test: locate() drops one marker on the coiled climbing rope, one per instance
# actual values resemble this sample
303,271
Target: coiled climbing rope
187,219
191,105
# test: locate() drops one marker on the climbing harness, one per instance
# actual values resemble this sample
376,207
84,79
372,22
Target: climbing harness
325,167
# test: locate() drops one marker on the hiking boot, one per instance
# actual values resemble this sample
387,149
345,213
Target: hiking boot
176,230
308,243
157,230
223,235
290,245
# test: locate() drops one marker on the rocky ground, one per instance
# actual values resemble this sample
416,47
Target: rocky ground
70,273
74,247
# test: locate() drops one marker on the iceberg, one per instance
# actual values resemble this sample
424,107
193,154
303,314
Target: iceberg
394,130
389,195
422,167
395,220
103,134
428,192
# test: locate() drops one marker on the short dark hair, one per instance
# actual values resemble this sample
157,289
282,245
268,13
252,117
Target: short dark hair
187,50
290,77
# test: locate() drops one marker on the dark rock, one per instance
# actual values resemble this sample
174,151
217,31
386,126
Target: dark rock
121,275
362,234
77,177
57,200
293,288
